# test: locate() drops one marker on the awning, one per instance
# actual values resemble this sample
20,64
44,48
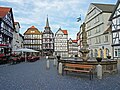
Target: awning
25,50
3,45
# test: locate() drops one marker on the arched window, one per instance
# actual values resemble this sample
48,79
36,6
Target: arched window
96,53
107,52
101,53
91,53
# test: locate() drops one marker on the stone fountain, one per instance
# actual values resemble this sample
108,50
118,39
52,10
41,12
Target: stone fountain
108,66
84,50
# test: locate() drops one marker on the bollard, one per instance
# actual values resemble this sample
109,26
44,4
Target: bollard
48,64
99,71
118,66
60,68
46,57
55,62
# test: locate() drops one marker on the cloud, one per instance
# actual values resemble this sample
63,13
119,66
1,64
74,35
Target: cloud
13,1
62,13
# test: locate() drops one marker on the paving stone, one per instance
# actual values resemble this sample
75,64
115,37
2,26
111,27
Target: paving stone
35,76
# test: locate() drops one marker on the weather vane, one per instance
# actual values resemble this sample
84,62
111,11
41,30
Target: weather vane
79,18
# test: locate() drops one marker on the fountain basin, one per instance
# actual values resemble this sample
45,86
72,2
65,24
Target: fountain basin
107,66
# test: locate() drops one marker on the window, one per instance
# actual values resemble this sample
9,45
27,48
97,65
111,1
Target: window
96,19
106,38
114,24
117,52
32,31
99,40
96,40
97,29
107,51
89,41
89,33
96,54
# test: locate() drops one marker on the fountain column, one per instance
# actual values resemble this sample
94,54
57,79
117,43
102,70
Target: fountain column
84,50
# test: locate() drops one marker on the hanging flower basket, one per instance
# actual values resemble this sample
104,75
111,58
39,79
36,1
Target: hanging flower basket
109,57
58,57
99,59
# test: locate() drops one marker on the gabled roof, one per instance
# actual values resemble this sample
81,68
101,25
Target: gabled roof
108,30
105,7
117,4
32,30
4,11
65,32
17,23
21,35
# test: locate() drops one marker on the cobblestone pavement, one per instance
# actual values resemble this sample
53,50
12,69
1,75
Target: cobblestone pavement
35,76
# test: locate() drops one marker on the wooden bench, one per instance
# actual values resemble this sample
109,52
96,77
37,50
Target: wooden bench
79,68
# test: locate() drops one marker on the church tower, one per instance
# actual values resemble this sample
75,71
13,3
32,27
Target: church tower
48,40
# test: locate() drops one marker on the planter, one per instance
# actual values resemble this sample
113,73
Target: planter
99,59
76,55
58,57
109,57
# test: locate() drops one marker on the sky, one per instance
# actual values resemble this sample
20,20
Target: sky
61,13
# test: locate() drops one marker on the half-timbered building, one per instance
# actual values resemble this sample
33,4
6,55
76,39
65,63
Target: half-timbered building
6,29
115,18
33,39
47,40
61,43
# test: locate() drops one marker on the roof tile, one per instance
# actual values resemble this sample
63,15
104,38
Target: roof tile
65,32
4,11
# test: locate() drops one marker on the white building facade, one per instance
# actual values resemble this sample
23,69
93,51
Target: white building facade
15,43
61,43
96,25
72,48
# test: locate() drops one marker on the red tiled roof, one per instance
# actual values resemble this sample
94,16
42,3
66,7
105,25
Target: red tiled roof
74,41
64,31
16,23
32,27
4,11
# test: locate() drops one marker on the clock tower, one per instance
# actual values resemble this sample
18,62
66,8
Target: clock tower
48,40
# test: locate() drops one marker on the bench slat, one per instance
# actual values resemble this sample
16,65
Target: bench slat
79,66
67,69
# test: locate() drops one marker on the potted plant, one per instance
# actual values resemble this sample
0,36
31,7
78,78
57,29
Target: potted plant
58,57
99,59
109,57
76,57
